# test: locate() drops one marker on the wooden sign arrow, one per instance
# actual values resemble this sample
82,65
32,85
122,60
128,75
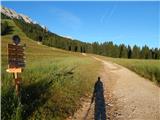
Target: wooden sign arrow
14,70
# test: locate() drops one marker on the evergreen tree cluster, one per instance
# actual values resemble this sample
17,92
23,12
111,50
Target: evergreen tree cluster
5,28
121,51
37,33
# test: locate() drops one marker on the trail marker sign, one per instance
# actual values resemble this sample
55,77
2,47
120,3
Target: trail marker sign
16,61
15,56
14,70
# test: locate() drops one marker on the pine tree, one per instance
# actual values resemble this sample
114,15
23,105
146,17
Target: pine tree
123,51
145,52
135,52
129,52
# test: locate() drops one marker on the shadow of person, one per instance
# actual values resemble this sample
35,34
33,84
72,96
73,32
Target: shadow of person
98,97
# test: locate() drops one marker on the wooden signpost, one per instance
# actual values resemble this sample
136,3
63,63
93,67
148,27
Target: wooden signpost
15,56
16,61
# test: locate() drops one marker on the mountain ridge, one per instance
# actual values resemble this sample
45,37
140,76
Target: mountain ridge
37,33
13,14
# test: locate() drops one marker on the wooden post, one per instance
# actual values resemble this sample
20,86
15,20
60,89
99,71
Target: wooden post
16,61
17,79
16,86
17,83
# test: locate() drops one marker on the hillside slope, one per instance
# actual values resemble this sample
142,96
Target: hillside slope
55,82
52,83
40,33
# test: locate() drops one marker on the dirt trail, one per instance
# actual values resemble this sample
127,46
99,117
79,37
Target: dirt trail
127,96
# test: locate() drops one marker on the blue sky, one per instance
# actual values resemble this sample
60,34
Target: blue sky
121,22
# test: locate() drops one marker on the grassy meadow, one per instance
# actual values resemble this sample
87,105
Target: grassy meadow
53,81
146,68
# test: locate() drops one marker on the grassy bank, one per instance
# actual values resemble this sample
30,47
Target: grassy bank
52,83
146,68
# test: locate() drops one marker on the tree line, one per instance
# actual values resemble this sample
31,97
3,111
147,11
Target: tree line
5,28
123,51
37,33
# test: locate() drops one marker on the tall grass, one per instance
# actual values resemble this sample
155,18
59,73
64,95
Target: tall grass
146,68
51,88
53,82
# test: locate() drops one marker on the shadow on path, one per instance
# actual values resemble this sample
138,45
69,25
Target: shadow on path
98,98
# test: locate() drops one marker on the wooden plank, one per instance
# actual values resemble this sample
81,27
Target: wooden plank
14,70
15,47
15,61
16,57
13,58
16,66
11,46
16,54
15,50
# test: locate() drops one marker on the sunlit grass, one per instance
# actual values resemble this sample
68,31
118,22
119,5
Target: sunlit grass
53,81
147,68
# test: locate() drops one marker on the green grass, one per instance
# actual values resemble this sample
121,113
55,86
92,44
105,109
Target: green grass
146,68
53,81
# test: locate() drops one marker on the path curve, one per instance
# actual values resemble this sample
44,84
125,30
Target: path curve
127,96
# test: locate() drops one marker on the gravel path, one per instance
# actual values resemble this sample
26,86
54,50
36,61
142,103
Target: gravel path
127,96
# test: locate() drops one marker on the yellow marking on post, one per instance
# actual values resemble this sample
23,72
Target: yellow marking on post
14,70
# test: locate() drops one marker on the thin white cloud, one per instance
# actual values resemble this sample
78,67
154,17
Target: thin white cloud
67,18
66,36
108,14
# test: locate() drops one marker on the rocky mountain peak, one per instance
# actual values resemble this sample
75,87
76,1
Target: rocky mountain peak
12,14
